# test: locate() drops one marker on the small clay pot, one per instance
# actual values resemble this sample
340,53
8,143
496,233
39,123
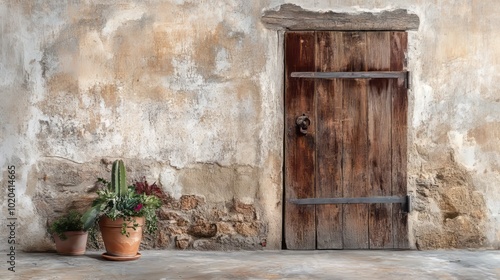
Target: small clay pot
118,244
74,244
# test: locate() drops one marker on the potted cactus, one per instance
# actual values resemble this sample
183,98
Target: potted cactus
122,211
68,234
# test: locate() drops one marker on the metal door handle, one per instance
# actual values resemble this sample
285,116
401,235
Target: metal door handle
303,122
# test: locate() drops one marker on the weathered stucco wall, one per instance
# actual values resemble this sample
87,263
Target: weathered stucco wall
176,88
189,93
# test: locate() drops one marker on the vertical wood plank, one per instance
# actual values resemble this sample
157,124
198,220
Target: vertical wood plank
399,44
299,224
355,141
328,143
379,137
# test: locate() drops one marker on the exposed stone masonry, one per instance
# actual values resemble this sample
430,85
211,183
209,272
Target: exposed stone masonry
451,213
189,222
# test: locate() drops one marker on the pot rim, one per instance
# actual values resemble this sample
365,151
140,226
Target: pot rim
119,221
76,231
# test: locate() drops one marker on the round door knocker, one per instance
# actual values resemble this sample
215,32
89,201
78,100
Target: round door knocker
303,122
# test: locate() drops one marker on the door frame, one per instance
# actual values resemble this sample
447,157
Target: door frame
290,17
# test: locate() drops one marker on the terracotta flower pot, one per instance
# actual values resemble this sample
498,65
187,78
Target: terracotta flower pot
74,244
118,244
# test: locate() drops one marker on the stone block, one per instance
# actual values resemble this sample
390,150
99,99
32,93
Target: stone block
163,240
175,230
225,228
204,244
182,241
190,202
172,217
247,229
247,210
205,230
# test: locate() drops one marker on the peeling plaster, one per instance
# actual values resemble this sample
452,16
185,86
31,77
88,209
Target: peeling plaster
465,150
119,18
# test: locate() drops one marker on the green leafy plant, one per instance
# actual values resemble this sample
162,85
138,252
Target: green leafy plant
69,222
117,200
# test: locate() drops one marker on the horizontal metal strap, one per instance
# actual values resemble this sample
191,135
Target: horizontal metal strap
405,200
352,75
350,200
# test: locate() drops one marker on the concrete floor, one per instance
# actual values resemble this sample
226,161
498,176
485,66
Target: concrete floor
158,265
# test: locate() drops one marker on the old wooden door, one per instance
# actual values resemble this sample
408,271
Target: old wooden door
345,138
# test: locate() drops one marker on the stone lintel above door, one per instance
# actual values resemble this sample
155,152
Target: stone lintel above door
293,17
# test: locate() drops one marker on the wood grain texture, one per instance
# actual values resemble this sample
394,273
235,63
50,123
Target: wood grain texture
350,75
379,137
355,139
399,44
299,227
328,143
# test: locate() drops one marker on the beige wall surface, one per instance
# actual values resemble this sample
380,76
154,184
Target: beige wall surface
190,95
